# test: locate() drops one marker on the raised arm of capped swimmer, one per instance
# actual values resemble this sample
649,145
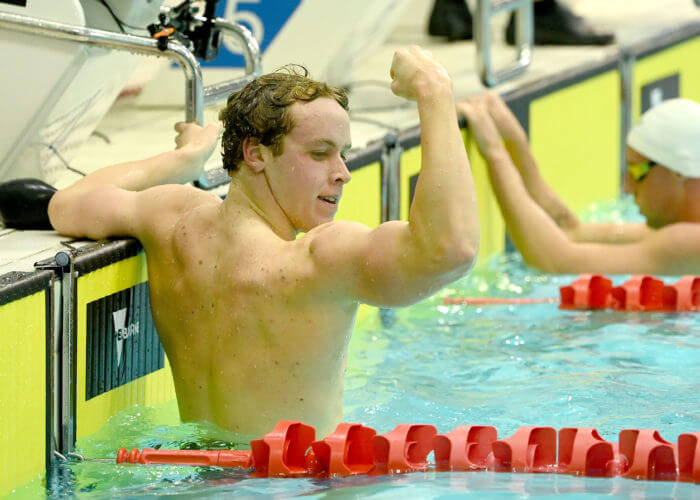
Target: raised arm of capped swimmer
546,246
516,143
119,200
399,263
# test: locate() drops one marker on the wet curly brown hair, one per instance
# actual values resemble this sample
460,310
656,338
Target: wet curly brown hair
259,110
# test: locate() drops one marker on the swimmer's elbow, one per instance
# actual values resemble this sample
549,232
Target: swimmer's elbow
457,258
546,263
464,255
58,210
555,263
66,215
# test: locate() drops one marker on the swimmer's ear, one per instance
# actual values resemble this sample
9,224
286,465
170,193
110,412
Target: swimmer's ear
254,154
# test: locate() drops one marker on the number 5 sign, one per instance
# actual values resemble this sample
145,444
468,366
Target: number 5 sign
264,18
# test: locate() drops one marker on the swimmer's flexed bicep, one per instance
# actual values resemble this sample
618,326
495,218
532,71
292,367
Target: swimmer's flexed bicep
385,266
399,263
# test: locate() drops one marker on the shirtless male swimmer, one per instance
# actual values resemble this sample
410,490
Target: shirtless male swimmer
663,174
256,322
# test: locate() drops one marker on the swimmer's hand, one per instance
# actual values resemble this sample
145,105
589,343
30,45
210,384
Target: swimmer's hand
481,125
506,123
415,73
197,143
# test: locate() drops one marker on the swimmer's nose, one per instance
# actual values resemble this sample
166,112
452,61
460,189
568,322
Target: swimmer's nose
342,174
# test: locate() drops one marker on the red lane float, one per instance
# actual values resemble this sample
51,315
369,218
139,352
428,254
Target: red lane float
589,291
582,452
689,457
282,452
683,295
291,451
593,292
348,451
648,455
530,449
639,293
405,449
465,448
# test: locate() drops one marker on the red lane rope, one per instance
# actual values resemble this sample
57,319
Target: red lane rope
291,450
484,301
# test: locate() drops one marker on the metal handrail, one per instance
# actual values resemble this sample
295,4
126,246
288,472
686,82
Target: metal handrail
196,95
219,91
175,50
486,10
251,55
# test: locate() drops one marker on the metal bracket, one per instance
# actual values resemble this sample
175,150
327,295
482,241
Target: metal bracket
524,35
626,68
391,177
63,352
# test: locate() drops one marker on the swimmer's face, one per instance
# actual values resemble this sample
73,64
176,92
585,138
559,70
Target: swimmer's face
659,193
307,179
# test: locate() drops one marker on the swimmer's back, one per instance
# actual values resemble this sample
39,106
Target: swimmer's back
243,325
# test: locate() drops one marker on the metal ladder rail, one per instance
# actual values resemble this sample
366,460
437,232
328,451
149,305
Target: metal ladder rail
251,54
196,95
524,35
220,91
119,41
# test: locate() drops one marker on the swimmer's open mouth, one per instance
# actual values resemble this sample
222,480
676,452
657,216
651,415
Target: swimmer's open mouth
330,199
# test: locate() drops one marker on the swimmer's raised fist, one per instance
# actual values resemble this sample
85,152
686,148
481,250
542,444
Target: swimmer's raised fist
415,73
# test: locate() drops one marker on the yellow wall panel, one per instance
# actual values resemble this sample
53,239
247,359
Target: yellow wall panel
575,136
362,196
682,59
362,202
22,391
156,387
410,165
491,224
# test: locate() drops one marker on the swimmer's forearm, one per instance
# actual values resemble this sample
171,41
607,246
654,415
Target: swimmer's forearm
521,153
610,232
444,214
541,242
76,210
171,167
518,146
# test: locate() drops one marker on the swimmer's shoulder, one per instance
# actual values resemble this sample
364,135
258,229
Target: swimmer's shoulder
677,231
162,207
677,247
177,197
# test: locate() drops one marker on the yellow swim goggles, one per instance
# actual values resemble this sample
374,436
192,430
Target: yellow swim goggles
639,171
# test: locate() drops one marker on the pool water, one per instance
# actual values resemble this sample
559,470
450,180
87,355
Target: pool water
504,366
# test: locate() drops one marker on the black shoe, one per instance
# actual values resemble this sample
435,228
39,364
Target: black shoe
557,25
451,18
